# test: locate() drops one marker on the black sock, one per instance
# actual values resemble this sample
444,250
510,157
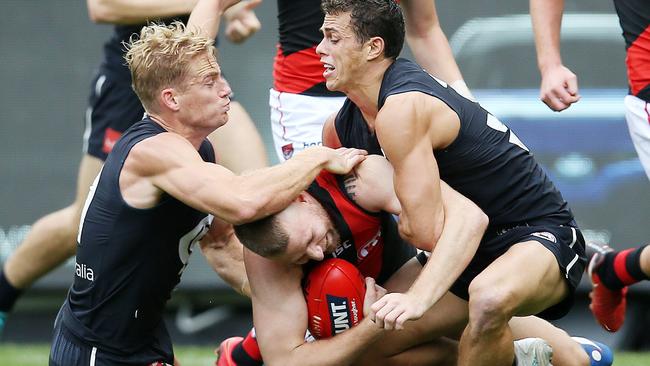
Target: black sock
8,293
242,358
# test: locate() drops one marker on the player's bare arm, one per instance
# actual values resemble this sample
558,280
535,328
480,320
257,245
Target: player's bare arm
136,12
404,129
430,45
330,137
169,163
224,253
559,88
140,11
206,16
371,186
426,124
280,318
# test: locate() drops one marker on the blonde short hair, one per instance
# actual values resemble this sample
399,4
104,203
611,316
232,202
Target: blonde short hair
160,57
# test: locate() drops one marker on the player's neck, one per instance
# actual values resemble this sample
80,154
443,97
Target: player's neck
365,94
169,123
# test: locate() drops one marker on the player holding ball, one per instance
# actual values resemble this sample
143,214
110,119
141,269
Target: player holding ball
282,259
334,292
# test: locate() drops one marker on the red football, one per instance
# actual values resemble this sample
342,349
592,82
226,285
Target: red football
334,291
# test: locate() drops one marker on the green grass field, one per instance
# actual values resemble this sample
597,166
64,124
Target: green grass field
36,355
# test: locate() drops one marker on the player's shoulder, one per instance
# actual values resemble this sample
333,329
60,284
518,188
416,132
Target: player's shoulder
157,152
161,145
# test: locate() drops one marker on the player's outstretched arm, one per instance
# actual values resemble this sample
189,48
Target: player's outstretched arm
136,11
420,193
280,318
206,16
140,11
171,164
430,45
559,88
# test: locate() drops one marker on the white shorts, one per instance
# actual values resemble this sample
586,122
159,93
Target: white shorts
297,120
637,115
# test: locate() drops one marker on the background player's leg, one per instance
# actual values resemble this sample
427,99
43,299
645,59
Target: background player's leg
566,352
238,145
611,272
51,240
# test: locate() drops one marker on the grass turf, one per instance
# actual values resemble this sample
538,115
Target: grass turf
36,355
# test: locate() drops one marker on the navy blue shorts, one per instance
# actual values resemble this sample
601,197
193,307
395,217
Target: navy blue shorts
113,108
69,350
565,242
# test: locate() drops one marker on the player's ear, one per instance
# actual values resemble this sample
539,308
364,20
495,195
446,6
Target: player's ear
315,252
375,47
169,99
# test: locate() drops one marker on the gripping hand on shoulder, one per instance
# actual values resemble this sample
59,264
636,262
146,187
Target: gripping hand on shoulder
343,160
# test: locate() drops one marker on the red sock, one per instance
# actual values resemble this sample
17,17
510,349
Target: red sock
251,347
247,352
622,268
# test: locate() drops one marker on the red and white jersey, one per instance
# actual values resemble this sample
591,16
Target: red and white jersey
368,240
634,16
297,68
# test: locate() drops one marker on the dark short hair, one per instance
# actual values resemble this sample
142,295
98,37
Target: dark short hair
373,18
266,236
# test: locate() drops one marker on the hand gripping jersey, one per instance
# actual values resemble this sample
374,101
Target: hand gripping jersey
486,163
634,16
369,240
128,261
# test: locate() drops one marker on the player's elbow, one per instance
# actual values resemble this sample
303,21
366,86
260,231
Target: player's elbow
476,219
246,208
482,221
417,32
423,28
244,213
422,238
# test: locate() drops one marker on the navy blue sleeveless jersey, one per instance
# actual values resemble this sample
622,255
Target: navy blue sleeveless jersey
128,262
486,162
369,240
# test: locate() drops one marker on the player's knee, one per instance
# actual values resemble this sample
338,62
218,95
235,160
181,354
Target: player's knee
488,308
